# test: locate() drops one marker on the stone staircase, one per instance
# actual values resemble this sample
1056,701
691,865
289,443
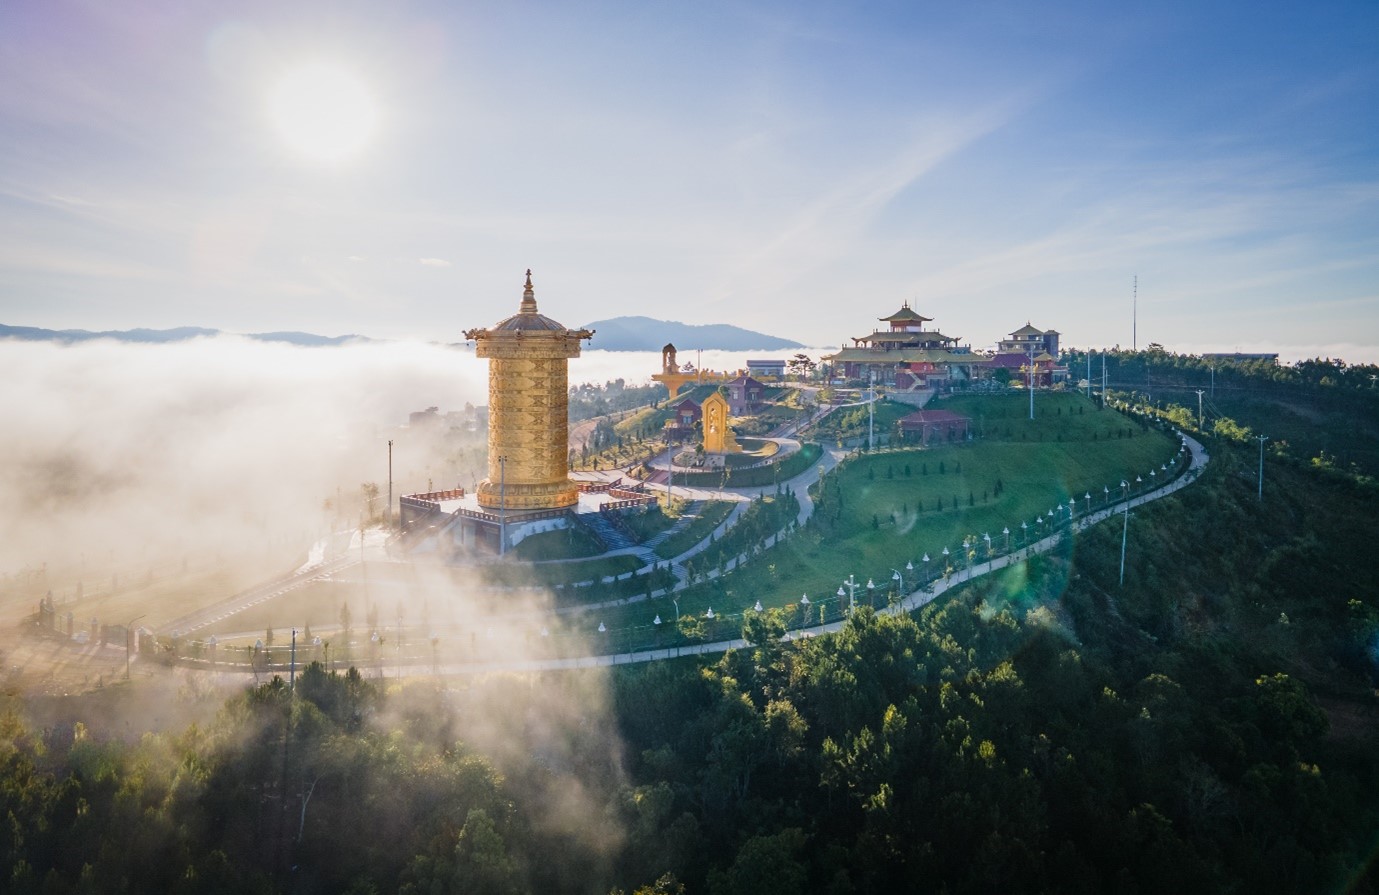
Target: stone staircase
610,535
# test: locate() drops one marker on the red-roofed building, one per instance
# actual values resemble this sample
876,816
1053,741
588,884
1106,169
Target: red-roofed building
925,426
680,427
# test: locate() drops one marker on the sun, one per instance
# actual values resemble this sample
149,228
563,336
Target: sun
323,111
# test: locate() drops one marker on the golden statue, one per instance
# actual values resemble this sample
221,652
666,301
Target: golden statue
718,438
528,421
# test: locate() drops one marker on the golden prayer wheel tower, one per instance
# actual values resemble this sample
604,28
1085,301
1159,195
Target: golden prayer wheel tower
528,409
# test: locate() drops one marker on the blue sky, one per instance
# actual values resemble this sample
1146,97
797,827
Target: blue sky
795,168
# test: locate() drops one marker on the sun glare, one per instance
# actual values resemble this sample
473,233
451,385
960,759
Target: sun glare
323,112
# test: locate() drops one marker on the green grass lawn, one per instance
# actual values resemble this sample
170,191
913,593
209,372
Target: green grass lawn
711,514
873,518
568,543
551,574
850,422
651,419
655,519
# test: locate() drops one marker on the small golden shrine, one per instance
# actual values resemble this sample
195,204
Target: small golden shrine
528,401
718,438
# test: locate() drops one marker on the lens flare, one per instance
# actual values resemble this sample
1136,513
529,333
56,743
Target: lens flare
323,112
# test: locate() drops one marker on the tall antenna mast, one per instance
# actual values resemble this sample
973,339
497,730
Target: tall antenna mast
1135,316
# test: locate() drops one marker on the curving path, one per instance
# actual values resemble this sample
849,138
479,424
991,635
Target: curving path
913,601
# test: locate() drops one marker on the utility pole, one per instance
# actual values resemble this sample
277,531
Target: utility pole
1089,373
1135,317
1029,379
1200,393
871,412
1103,378
389,515
1261,439
292,673
1125,529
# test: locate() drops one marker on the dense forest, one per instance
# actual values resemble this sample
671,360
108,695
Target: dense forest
1208,726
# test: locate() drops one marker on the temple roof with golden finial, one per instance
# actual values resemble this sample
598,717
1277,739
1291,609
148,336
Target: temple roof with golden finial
527,320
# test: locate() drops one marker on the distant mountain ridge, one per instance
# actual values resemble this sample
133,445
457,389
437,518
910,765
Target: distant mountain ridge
647,334
158,336
613,334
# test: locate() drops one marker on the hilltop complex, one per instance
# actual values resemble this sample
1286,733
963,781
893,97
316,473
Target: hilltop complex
912,357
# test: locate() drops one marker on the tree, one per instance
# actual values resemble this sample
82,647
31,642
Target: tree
765,865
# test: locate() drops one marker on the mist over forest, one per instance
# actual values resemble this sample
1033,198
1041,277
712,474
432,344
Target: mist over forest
220,444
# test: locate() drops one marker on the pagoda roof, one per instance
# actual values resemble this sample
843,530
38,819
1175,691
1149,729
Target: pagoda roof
905,314
1028,330
527,319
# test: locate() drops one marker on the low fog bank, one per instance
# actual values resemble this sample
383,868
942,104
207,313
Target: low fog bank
121,453
123,456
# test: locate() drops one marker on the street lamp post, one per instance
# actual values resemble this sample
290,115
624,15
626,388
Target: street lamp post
899,580
987,537
1261,439
851,584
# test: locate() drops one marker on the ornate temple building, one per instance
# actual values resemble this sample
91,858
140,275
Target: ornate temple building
528,489
1029,351
528,393
906,355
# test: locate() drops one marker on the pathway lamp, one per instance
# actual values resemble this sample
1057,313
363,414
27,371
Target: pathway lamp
926,567
1024,533
210,646
1006,531
757,607
899,580
1107,490
656,621
602,628
709,614
871,593
987,537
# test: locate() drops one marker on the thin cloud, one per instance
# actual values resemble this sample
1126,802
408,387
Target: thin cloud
434,262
